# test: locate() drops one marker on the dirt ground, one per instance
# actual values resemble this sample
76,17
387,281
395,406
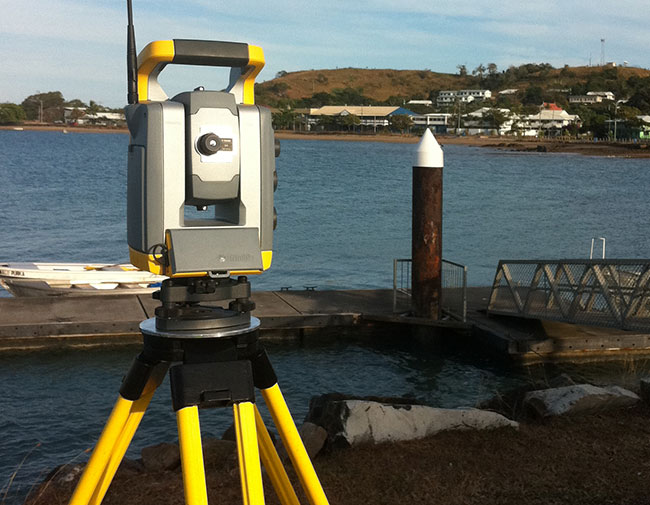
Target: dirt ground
504,143
582,460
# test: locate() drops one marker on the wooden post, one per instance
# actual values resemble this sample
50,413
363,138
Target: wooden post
426,231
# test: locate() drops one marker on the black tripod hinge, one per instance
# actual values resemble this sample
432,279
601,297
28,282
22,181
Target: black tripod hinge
263,374
144,376
210,385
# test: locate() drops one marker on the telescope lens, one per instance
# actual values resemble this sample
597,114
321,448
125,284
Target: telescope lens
208,144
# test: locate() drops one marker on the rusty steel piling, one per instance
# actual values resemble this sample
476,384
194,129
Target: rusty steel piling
426,234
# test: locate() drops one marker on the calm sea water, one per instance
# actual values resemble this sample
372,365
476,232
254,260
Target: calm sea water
343,207
344,214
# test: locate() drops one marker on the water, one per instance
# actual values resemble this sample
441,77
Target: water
343,207
344,214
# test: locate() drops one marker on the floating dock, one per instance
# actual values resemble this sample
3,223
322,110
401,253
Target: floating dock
94,321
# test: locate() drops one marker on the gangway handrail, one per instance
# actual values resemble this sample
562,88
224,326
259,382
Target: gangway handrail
598,292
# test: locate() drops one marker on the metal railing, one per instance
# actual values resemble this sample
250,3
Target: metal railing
453,298
611,293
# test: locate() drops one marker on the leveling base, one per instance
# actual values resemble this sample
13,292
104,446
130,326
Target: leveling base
217,368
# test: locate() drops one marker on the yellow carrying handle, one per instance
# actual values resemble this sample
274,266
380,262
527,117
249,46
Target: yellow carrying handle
245,61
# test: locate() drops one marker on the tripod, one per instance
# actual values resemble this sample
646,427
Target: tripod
214,359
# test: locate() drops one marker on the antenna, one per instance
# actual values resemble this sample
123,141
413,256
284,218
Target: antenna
131,59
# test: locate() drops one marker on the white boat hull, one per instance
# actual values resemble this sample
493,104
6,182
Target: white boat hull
75,279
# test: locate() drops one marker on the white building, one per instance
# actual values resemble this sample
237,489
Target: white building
586,99
370,115
428,103
477,122
605,95
547,121
437,121
79,116
462,95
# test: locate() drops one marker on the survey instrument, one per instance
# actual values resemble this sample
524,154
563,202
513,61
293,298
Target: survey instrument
214,153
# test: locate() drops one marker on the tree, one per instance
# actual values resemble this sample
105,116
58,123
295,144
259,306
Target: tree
351,120
462,70
50,104
329,123
480,70
401,122
492,68
533,96
75,103
281,73
10,113
495,118
284,119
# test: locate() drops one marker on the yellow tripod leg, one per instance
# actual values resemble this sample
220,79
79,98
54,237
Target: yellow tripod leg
99,460
248,452
293,443
189,437
273,464
124,440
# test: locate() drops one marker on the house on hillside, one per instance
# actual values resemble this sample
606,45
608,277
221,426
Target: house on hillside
484,121
605,95
450,97
585,99
371,116
547,122
427,103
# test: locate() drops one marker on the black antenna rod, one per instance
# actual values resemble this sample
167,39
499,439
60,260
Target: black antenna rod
131,59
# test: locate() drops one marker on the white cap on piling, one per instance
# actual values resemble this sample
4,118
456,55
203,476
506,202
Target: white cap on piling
429,153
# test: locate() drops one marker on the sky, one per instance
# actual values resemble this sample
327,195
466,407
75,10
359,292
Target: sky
78,47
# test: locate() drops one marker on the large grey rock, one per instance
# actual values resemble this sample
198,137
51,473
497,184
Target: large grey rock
313,438
645,389
579,398
352,422
161,457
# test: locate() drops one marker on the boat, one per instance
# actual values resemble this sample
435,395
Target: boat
76,279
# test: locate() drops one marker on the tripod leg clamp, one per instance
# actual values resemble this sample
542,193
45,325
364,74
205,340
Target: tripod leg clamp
210,385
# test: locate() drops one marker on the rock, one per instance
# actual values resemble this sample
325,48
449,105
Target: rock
560,381
161,457
229,434
579,398
645,389
352,422
313,438
130,467
65,474
218,454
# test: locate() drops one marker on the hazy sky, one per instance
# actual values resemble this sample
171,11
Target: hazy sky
78,46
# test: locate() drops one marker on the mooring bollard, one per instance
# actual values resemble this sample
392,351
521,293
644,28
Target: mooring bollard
426,231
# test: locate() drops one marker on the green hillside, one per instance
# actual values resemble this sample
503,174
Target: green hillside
534,83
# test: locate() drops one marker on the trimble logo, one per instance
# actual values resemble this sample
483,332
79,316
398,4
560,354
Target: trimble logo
236,258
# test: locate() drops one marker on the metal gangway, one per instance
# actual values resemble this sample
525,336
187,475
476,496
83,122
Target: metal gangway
606,292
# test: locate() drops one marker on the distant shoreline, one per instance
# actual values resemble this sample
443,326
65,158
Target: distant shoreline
610,149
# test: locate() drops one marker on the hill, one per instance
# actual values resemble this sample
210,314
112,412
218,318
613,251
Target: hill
311,87
377,84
